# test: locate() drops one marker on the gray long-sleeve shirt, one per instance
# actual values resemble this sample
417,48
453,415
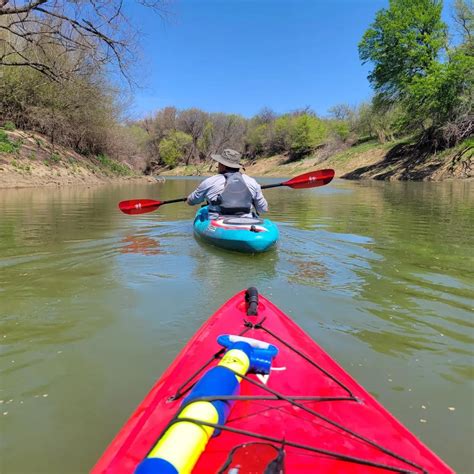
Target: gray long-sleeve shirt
211,187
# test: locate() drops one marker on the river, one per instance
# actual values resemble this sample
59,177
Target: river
94,304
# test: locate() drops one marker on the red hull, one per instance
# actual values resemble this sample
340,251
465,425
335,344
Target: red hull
358,410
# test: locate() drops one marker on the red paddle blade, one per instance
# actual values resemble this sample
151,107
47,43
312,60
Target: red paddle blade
139,206
313,179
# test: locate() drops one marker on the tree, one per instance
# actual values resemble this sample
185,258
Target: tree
97,30
402,43
78,113
464,18
205,140
435,94
443,100
339,129
256,139
281,139
192,122
265,117
228,131
342,112
307,132
173,147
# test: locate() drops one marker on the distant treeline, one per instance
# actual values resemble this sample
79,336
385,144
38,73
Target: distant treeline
191,135
55,79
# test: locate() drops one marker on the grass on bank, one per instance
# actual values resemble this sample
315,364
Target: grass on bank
348,154
54,157
7,145
115,167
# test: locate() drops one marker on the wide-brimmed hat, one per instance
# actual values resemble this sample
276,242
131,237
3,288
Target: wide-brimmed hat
229,157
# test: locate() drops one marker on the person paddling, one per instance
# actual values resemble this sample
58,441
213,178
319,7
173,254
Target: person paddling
230,192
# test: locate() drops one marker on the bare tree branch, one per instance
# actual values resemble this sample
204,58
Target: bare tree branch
15,10
54,34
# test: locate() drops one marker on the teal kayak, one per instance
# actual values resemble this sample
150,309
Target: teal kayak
242,234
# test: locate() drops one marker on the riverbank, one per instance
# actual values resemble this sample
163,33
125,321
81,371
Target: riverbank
29,160
400,160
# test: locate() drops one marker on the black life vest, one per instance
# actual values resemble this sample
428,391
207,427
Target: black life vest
236,197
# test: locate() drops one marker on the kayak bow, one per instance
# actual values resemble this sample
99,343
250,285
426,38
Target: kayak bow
251,392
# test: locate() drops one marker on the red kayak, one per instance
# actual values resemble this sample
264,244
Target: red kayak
252,393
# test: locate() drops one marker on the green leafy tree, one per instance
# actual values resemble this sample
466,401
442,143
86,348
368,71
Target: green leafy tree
282,129
436,96
402,44
256,139
340,129
174,147
307,132
443,99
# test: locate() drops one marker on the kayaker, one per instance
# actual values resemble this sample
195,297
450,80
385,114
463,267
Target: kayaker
230,192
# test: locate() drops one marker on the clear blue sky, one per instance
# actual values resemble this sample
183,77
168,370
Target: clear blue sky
237,56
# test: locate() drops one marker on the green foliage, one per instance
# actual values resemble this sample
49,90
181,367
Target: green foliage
78,113
257,139
306,133
55,158
283,126
6,145
9,126
340,128
444,93
173,147
351,152
205,140
20,166
402,43
138,134
114,166
416,92
380,120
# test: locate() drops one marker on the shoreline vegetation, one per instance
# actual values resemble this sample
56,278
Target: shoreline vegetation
400,160
28,159
62,116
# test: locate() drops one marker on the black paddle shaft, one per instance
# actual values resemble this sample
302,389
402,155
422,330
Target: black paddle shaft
267,186
171,201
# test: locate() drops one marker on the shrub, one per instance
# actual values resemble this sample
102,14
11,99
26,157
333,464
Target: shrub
8,125
307,133
6,145
114,166
173,147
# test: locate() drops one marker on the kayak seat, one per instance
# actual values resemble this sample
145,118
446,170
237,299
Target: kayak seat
242,220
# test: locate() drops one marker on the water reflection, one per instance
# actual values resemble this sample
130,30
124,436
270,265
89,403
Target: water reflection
140,244
220,270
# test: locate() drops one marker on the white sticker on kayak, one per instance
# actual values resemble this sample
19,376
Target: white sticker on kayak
263,378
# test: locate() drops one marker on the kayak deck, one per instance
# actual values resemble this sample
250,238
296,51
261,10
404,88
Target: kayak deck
308,409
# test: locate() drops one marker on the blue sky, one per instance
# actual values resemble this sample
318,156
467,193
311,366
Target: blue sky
238,56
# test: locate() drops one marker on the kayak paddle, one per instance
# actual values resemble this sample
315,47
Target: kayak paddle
140,206
313,179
